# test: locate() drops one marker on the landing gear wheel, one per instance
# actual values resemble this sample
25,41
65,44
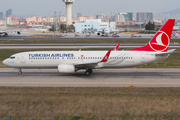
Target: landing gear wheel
88,72
20,72
5,35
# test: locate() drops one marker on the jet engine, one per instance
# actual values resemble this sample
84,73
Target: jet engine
66,68
18,32
4,34
98,33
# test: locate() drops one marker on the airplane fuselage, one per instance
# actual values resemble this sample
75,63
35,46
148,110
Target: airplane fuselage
51,59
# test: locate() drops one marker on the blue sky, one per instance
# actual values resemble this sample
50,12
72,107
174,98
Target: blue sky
87,7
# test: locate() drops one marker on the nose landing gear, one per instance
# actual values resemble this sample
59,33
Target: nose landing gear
20,72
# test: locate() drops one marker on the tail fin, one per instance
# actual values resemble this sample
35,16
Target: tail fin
27,23
160,42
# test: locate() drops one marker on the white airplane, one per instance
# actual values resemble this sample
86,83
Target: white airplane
41,28
107,31
175,34
72,61
4,31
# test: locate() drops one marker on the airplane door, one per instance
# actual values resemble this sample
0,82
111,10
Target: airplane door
22,59
143,58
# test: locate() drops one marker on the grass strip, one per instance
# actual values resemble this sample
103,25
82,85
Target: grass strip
90,103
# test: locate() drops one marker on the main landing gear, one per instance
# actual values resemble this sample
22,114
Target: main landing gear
5,35
20,72
88,72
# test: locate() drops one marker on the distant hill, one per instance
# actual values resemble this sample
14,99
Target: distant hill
175,11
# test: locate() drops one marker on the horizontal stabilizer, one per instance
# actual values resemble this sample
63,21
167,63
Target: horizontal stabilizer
164,53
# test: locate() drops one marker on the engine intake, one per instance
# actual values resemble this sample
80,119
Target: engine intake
65,68
18,32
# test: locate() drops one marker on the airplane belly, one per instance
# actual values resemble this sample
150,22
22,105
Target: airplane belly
43,64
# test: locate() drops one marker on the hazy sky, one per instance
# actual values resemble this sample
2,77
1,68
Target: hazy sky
87,7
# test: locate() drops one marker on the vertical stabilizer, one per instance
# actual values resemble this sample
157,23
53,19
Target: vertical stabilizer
160,42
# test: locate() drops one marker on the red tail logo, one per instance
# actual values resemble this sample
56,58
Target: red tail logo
160,42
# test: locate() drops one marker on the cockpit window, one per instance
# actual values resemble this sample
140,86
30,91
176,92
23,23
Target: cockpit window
12,57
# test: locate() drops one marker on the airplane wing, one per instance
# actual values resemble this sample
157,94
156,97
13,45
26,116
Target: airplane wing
97,64
114,31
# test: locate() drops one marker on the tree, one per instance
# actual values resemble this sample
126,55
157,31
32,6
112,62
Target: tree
63,27
150,26
71,28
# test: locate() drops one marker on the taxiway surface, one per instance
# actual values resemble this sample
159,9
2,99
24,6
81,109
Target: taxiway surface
141,77
80,46
71,36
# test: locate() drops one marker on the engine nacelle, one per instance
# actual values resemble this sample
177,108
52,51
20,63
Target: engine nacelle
98,33
66,68
18,32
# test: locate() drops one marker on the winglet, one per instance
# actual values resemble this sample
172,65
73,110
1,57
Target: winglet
117,47
106,57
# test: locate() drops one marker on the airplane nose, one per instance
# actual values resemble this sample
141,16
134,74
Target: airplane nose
5,62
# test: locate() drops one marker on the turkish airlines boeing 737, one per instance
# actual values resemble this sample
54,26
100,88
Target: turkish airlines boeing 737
72,61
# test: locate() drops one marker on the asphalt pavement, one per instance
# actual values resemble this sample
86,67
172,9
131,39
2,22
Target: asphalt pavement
141,77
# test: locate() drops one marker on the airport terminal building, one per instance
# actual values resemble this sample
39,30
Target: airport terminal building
93,25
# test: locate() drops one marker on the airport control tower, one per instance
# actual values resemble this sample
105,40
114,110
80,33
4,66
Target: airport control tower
68,11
